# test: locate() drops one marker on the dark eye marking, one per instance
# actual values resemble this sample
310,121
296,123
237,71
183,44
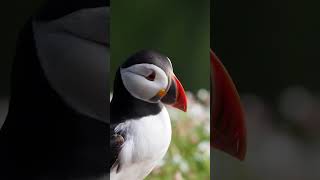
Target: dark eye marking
151,76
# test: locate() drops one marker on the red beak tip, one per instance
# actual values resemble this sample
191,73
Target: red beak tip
184,108
228,121
235,147
181,102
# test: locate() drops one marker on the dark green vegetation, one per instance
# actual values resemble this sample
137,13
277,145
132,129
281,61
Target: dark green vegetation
178,29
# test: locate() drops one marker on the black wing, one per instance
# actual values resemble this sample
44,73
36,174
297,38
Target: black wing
116,142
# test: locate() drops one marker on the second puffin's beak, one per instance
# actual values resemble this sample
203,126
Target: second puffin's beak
227,117
176,95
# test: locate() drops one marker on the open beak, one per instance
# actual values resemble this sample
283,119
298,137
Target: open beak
176,95
227,117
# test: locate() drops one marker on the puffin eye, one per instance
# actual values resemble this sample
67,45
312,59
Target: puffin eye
151,76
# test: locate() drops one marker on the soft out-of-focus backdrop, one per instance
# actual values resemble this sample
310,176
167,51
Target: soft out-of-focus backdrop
180,30
271,49
13,16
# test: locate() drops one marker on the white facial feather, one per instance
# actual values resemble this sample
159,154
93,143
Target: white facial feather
72,54
135,81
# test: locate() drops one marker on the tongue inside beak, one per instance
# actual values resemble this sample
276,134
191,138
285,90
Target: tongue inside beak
227,117
181,99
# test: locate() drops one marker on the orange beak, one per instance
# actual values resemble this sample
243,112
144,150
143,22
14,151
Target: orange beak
228,132
181,102
176,96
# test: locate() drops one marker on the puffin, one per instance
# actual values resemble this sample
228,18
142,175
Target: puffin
140,128
57,126
227,126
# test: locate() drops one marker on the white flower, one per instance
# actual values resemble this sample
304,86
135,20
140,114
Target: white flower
204,148
184,167
203,95
177,159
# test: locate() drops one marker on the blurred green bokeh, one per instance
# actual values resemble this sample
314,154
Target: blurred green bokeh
13,15
179,29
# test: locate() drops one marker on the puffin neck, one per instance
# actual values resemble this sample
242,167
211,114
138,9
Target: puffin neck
124,106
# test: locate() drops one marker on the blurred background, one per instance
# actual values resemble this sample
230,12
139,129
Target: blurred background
13,16
271,49
180,30
177,29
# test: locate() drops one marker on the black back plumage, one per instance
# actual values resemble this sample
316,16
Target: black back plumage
42,137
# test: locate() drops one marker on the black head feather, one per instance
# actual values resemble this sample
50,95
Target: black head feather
149,57
54,9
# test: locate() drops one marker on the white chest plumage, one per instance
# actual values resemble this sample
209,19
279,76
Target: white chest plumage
147,141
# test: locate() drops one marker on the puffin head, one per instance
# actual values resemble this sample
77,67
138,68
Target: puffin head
228,132
72,44
148,76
